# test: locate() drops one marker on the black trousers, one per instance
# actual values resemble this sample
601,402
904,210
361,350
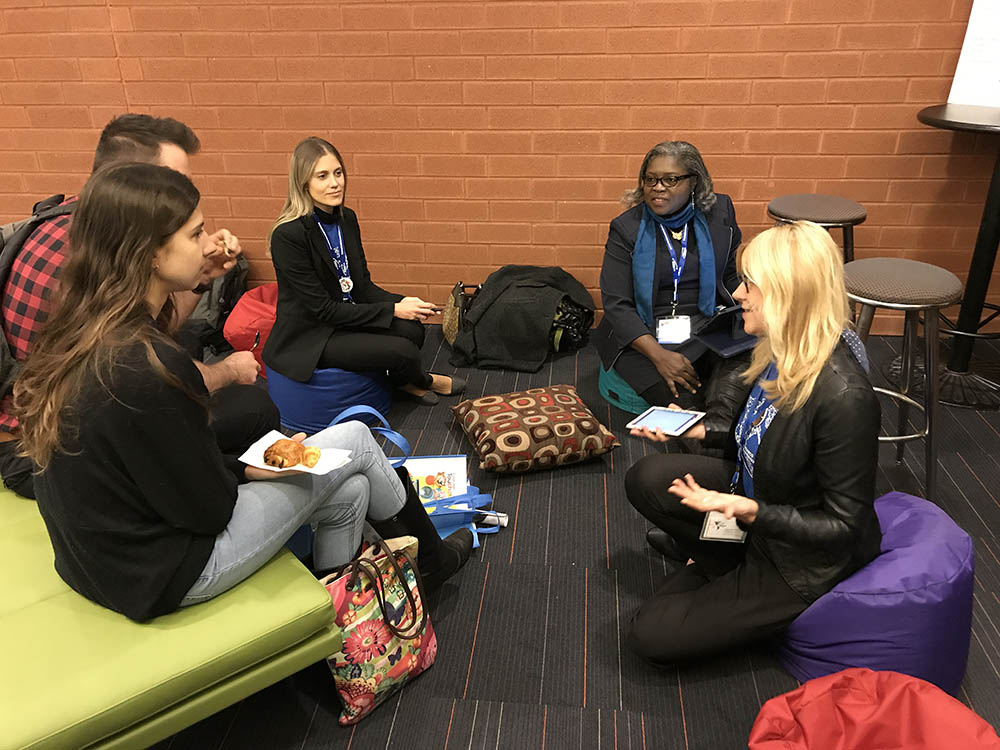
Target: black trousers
730,596
396,349
239,414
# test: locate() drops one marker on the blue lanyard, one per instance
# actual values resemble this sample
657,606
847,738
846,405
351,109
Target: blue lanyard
752,414
338,255
675,265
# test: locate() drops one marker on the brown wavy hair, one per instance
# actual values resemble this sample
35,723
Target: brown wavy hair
125,214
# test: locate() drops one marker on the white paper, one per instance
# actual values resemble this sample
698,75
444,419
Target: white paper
329,458
977,77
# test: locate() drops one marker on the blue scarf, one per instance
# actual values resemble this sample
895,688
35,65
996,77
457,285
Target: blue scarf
644,259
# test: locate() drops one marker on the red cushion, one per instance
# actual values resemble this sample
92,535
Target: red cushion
858,709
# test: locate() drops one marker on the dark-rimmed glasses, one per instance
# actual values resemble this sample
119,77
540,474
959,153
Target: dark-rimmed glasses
668,180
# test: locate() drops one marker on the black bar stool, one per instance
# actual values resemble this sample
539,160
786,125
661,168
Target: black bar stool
915,288
829,211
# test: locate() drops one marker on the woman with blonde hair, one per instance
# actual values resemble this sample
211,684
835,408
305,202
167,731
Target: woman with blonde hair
145,513
330,312
790,512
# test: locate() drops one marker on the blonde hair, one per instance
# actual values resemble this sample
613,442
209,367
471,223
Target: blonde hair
300,170
799,271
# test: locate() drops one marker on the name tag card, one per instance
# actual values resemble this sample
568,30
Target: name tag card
673,329
718,528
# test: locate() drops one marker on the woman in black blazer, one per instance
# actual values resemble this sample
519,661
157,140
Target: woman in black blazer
674,198
330,313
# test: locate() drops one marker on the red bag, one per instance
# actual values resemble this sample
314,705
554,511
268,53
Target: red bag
858,709
251,321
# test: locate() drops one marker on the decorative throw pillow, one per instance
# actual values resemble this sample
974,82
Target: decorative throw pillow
534,429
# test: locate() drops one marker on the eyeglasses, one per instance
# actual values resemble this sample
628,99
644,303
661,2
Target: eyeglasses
668,180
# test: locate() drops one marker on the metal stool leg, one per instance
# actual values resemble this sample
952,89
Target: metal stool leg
848,243
932,387
909,354
864,324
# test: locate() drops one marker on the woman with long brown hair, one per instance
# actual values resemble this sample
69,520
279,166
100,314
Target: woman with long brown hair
144,512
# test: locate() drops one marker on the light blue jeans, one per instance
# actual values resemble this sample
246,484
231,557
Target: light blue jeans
268,513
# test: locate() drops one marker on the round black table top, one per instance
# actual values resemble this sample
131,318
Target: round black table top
961,117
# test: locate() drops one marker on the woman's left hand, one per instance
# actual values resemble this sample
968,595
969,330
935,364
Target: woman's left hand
695,496
256,474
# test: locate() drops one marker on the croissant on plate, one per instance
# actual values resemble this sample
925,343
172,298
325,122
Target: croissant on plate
286,453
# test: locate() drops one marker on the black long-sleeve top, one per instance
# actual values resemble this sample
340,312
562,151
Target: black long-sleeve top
134,503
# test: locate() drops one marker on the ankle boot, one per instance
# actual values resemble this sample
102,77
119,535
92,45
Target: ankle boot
438,559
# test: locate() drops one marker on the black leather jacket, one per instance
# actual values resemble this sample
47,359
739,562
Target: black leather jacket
814,475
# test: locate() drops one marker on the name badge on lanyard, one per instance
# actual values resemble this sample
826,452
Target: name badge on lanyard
674,328
718,528
339,257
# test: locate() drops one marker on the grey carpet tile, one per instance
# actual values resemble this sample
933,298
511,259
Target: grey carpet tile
487,725
532,633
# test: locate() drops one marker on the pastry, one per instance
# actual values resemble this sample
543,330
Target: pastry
309,457
285,453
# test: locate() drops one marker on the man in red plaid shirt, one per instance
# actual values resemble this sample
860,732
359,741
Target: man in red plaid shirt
240,412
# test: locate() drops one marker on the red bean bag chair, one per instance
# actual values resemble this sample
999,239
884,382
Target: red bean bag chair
858,709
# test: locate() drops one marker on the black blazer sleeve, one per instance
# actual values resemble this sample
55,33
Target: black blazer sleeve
316,294
617,290
730,276
845,460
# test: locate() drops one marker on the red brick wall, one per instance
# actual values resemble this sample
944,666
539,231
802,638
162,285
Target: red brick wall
484,133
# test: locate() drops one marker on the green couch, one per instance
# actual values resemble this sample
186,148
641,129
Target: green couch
76,675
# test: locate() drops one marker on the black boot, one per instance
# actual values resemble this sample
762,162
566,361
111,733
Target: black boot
438,559
665,544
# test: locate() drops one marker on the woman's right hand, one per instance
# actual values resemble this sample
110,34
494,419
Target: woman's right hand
413,308
676,369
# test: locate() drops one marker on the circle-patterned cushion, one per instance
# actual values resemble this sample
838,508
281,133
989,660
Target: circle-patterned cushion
539,428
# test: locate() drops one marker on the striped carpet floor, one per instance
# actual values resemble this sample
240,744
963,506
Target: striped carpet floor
531,632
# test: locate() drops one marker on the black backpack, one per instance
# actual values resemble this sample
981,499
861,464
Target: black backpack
12,239
209,316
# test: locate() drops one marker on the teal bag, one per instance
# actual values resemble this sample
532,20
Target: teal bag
618,393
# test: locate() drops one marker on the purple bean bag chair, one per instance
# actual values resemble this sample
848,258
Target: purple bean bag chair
309,407
909,610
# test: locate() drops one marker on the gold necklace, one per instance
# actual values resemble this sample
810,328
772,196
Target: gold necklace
677,235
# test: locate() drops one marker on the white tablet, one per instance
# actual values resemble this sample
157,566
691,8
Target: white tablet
672,422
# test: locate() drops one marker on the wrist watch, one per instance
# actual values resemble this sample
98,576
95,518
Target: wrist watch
202,288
